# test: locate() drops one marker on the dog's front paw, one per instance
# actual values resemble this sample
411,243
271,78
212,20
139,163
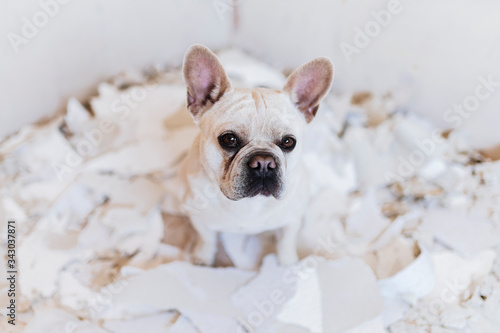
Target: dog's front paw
288,257
204,254
202,260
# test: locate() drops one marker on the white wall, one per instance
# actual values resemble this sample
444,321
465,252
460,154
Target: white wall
440,47
87,41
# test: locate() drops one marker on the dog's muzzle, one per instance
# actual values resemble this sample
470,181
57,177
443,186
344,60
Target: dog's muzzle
262,175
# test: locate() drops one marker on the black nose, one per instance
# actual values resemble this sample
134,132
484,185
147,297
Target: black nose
262,163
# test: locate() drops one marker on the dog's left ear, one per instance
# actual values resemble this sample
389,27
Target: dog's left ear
205,79
308,84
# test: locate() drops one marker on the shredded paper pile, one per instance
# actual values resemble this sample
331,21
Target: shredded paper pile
401,235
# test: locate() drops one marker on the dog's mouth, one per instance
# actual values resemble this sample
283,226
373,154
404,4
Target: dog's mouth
266,186
264,191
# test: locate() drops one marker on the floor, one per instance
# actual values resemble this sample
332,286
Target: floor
402,233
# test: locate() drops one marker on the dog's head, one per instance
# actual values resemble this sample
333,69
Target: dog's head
250,139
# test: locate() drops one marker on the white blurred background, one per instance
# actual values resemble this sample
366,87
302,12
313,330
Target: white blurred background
51,50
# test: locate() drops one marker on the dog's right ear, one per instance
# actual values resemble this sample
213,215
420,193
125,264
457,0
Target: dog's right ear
205,79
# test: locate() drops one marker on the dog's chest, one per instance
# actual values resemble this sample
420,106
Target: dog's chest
249,215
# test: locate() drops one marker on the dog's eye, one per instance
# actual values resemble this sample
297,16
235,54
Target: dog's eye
288,143
229,140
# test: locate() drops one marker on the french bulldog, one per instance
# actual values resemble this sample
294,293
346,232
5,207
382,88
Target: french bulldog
244,172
